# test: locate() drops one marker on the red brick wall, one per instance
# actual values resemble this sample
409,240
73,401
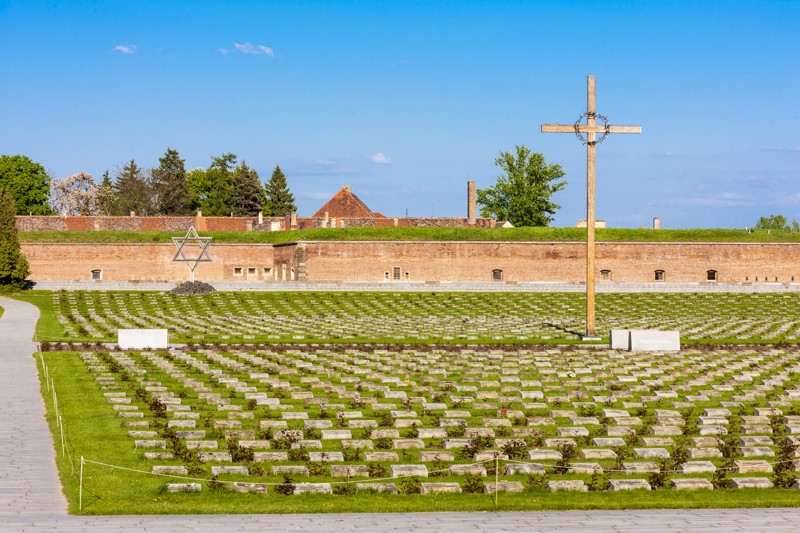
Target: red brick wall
424,261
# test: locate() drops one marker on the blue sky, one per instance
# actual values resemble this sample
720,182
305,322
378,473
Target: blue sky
406,101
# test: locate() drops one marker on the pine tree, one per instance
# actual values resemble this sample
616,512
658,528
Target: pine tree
106,196
170,186
133,191
280,201
13,265
247,193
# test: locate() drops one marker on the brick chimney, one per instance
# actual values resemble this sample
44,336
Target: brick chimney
471,202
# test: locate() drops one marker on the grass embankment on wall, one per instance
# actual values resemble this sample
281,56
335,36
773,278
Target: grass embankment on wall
421,234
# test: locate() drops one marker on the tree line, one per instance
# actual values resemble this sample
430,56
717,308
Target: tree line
226,187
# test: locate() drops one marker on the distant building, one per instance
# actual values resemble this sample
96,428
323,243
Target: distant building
345,204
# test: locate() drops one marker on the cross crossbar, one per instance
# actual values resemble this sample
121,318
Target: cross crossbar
585,128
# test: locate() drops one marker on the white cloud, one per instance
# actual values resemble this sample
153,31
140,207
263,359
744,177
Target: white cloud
249,49
315,195
380,159
126,49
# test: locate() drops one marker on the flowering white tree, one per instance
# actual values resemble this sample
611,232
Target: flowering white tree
76,195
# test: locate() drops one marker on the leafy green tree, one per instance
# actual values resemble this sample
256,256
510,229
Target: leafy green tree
280,201
523,195
27,182
170,186
219,181
132,191
13,265
773,222
247,194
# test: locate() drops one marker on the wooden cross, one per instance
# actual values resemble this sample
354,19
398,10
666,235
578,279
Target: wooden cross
590,129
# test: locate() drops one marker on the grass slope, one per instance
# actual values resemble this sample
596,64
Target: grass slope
421,234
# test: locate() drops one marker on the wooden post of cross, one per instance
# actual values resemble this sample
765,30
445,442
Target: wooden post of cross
590,129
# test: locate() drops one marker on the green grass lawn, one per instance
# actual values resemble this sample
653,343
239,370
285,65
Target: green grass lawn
421,234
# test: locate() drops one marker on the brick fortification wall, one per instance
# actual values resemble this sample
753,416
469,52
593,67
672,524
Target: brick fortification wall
423,261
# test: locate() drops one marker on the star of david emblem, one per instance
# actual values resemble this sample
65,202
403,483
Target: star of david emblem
193,240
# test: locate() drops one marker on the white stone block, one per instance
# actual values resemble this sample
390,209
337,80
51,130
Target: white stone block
620,339
140,339
655,341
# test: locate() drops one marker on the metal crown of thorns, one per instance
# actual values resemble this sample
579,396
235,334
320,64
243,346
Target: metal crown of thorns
192,237
596,116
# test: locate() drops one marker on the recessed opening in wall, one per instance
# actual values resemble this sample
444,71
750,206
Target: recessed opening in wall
386,276
497,275
237,271
396,273
267,271
605,275
711,275
251,271
659,275
408,275
97,274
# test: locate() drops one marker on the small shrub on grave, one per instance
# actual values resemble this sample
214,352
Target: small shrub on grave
377,470
491,468
323,412
410,485
586,410
214,483
783,475
456,431
255,469
287,487
351,454
475,445
438,469
436,444
434,420
385,420
314,433
183,395
412,433
316,469
658,479
502,431
583,440
729,446
383,443
598,482
516,449
264,434
537,481
340,422
357,403
778,428
720,478
473,484
298,454
568,453
158,408
238,452
518,421
251,405
344,489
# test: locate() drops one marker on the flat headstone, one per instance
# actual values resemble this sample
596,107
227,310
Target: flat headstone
270,456
544,455
744,467
177,470
332,434
697,467
381,456
426,456
597,453
574,485
585,468
751,483
139,339
290,469
377,487
258,488
408,470
608,442
214,456
183,487
655,341
349,471
312,488
473,469
237,470
652,453
691,484
639,467
434,488
150,444
524,468
628,484
502,486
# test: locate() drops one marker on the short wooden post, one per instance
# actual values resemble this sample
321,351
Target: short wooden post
80,488
496,478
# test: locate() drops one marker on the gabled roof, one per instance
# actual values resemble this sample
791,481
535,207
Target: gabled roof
345,204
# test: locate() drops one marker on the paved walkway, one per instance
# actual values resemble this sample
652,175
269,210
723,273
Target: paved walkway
31,499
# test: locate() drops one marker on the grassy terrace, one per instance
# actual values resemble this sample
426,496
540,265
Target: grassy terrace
423,234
